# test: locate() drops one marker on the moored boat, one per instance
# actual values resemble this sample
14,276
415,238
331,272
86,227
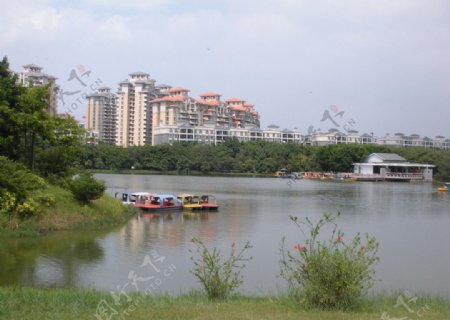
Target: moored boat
150,202
443,188
132,197
283,173
159,202
208,202
190,202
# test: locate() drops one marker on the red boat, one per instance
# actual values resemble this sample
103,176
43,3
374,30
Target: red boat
208,202
152,202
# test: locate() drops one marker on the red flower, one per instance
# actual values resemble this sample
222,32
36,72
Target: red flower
340,239
362,248
300,248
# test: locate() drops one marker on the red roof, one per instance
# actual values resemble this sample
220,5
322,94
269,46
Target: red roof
176,89
234,100
210,94
208,102
170,98
248,104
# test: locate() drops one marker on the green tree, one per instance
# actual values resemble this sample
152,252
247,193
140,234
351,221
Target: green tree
85,188
33,121
29,134
59,153
9,105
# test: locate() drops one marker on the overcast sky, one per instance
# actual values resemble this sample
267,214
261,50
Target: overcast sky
383,66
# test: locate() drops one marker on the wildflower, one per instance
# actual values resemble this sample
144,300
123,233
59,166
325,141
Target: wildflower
299,248
362,249
340,239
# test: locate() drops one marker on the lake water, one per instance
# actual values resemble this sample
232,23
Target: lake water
152,252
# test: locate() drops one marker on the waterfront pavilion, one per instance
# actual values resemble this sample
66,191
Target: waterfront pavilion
391,167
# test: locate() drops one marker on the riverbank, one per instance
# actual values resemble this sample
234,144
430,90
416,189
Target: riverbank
60,211
29,303
213,174
182,173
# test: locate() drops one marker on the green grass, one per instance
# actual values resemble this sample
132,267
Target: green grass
67,214
28,303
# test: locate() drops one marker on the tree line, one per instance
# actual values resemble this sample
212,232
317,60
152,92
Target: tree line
36,149
259,157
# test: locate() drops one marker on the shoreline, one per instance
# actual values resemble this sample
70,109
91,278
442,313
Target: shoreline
223,174
66,214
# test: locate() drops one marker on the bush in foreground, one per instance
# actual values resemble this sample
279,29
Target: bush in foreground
329,274
219,277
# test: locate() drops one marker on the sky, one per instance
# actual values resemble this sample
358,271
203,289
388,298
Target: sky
375,66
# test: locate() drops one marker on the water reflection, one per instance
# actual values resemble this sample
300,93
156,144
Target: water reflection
411,221
48,261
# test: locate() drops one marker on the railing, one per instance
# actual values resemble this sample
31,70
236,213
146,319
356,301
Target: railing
389,176
400,175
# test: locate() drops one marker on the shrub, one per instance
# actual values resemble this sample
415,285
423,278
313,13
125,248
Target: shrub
7,202
219,277
328,274
18,180
86,188
46,200
27,209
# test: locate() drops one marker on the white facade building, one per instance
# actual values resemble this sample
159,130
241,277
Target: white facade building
101,115
134,114
391,167
32,76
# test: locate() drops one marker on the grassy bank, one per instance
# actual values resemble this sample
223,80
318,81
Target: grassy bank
60,211
27,303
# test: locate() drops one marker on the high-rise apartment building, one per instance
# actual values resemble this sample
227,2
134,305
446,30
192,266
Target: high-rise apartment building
101,115
179,117
134,115
32,75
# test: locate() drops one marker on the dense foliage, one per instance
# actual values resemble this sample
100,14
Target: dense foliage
329,273
35,148
16,184
47,145
249,157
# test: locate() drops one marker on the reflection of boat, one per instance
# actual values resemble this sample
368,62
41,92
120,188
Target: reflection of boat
189,201
160,216
208,202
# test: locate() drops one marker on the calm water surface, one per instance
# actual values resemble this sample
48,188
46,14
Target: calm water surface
151,252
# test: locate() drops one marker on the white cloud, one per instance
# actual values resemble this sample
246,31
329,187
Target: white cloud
366,55
45,20
127,4
114,27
